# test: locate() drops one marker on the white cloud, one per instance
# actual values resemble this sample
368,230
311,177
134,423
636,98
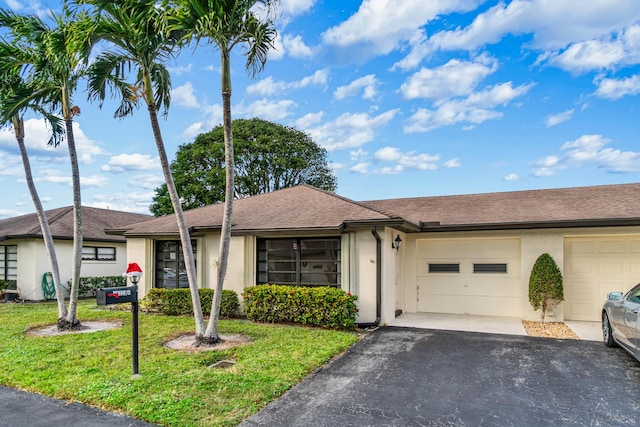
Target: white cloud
379,26
617,88
178,71
193,130
453,163
309,120
455,78
512,177
350,130
589,149
295,47
581,31
134,201
184,96
131,162
404,161
268,110
269,86
367,84
358,154
362,168
475,109
556,119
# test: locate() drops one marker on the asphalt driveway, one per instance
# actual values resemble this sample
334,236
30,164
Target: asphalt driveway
418,377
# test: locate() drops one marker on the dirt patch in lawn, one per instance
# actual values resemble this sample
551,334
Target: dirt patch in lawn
549,330
188,343
87,326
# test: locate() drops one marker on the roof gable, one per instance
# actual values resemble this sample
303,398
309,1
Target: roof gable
94,220
300,207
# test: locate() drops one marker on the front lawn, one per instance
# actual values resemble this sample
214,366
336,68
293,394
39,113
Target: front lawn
175,388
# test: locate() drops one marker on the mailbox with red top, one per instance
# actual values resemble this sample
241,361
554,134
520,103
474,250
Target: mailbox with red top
107,296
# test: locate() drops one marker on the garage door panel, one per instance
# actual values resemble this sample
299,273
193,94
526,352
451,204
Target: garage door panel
466,292
595,266
497,288
468,304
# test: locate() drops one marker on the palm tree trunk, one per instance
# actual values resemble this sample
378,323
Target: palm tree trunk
71,321
211,334
185,238
18,125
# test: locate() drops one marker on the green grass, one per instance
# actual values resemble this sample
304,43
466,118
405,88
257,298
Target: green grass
175,388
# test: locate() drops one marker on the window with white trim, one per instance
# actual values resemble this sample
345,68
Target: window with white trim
98,253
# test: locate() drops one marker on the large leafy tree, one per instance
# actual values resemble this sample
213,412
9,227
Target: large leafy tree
12,88
135,41
225,24
55,56
268,157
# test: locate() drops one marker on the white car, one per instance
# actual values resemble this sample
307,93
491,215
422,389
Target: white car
620,321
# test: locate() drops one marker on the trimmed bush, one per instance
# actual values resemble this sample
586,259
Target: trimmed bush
89,285
322,306
545,285
176,302
4,285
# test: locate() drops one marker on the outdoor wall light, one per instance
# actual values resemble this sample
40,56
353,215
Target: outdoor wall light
398,241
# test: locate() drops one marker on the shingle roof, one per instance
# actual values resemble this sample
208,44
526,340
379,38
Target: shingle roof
308,208
295,208
586,204
94,221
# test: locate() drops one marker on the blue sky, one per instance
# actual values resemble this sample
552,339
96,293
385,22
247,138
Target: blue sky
410,97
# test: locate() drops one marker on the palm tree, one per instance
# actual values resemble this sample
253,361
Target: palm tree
55,56
225,24
131,27
13,87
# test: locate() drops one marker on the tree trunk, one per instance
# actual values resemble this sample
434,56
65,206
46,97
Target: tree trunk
211,334
185,238
71,321
18,125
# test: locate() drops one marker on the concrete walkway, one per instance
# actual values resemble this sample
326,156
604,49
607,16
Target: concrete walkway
589,331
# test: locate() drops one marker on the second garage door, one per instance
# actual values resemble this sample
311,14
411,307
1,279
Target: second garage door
469,276
595,266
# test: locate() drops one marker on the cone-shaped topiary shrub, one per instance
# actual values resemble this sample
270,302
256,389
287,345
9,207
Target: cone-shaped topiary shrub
545,285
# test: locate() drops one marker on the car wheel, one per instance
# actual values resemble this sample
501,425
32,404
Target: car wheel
607,333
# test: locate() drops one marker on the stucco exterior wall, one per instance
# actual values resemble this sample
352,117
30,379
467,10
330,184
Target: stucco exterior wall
364,274
140,251
533,243
33,263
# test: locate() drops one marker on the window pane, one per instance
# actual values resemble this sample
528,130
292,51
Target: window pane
307,261
171,272
107,254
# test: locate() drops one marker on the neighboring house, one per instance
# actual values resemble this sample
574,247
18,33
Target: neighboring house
469,254
23,256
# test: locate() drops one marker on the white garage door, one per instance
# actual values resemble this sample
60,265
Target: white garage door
469,276
595,266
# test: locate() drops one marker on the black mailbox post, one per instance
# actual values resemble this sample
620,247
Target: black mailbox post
108,296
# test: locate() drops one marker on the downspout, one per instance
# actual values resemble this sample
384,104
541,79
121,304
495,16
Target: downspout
378,281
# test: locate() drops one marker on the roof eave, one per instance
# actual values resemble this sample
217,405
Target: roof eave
580,223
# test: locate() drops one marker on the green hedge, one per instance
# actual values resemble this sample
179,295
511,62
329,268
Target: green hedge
89,285
175,302
321,306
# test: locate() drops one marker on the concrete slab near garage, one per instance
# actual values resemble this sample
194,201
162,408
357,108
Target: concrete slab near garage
589,331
